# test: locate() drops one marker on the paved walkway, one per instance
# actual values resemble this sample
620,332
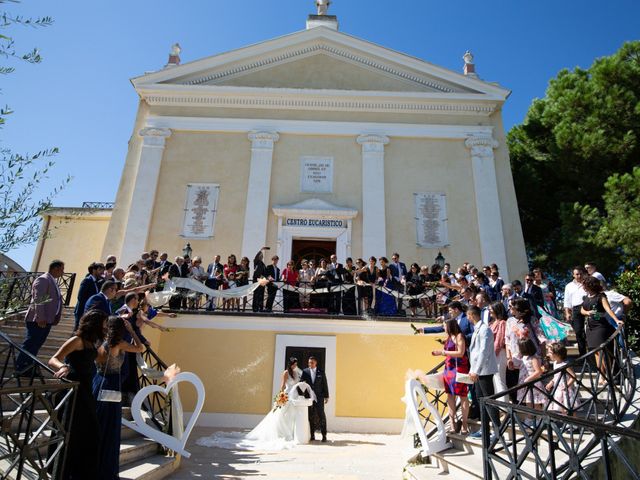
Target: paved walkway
346,456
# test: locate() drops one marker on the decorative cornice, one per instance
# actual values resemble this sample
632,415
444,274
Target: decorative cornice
263,140
478,141
315,207
300,102
154,137
319,47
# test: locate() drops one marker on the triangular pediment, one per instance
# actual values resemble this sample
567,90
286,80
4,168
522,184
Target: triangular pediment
319,59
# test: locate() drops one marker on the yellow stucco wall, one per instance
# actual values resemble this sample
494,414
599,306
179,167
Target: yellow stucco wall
75,239
221,158
236,367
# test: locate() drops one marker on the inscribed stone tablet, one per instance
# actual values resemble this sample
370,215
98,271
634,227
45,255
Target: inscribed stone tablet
200,210
316,174
431,219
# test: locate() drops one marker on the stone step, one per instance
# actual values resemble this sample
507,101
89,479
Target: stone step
154,467
136,448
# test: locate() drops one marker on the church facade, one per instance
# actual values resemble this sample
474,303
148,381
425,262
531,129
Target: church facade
318,140
312,143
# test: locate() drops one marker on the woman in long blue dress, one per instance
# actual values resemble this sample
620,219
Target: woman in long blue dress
386,304
111,356
75,361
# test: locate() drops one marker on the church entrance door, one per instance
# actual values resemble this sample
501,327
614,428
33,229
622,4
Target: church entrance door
312,250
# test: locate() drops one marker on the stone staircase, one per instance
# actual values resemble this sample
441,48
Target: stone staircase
465,459
140,458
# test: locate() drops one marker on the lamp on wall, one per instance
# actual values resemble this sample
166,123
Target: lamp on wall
439,260
187,250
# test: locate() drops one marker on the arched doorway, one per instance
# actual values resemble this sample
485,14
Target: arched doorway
312,250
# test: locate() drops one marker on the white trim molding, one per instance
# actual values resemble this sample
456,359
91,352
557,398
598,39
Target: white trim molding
319,100
490,228
313,127
330,367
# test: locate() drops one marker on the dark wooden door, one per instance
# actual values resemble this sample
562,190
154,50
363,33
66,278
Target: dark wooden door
303,354
312,250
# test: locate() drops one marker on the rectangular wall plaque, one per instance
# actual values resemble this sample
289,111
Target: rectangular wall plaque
200,210
431,219
316,174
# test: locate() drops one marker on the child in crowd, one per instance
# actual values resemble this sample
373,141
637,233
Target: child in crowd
566,391
147,313
230,303
531,369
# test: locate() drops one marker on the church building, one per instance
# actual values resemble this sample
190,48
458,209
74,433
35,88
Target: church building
311,143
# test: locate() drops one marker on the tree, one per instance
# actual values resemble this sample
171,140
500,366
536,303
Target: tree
618,225
585,129
21,175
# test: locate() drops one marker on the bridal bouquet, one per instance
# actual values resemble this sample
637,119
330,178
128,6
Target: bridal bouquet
280,400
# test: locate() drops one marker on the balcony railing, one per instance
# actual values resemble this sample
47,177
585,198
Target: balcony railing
341,299
98,205
15,289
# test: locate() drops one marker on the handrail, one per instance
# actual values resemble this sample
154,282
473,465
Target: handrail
36,413
557,443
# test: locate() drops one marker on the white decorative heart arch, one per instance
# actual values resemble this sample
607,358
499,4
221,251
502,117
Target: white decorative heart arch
178,440
414,396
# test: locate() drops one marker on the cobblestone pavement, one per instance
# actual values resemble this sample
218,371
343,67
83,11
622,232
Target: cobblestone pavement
346,456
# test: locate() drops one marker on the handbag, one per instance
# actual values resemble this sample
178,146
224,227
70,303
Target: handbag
104,395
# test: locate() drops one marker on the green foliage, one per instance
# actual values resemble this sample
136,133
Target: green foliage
628,283
585,129
619,227
21,175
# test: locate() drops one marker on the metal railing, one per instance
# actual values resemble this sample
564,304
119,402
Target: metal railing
36,416
15,289
565,438
318,298
157,405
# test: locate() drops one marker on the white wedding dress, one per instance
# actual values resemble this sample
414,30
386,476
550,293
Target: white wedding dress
281,429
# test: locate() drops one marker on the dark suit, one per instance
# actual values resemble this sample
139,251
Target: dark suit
335,277
535,296
164,267
259,269
398,272
274,272
88,287
175,301
316,411
98,302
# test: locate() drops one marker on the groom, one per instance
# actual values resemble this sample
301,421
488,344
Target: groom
318,382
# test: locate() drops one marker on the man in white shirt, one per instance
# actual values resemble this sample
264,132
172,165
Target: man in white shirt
620,304
592,269
573,296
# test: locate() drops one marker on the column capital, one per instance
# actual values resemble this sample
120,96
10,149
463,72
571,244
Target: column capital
372,142
480,142
154,137
263,140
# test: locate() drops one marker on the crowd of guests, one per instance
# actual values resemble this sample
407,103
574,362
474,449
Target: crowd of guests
492,328
499,343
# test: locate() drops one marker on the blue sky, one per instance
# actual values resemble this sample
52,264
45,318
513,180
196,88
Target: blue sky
80,98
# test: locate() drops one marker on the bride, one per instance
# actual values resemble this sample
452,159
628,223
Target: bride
282,428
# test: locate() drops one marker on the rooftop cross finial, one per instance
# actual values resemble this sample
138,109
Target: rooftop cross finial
323,6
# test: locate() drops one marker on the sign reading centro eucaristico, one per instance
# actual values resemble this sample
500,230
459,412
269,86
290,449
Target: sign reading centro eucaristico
316,222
